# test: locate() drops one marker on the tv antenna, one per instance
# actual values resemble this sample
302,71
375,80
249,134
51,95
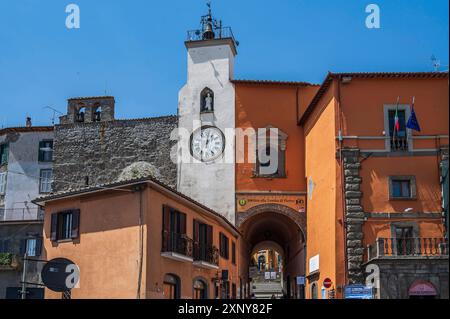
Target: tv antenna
54,113
436,63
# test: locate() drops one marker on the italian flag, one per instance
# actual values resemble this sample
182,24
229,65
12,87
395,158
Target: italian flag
396,121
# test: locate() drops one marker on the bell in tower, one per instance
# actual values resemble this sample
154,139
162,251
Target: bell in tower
208,25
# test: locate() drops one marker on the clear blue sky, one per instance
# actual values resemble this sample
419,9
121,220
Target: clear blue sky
135,49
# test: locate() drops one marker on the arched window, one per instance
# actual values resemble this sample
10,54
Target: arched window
206,101
200,289
97,114
172,287
79,116
314,291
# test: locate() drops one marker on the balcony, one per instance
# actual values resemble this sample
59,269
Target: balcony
22,214
399,144
404,248
216,34
176,246
206,257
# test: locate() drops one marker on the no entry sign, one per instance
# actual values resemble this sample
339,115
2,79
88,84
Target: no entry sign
327,283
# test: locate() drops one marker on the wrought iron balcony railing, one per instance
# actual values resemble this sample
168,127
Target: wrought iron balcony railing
217,33
176,243
209,254
407,247
399,144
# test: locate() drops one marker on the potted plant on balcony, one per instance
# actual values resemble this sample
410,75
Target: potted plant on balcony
8,261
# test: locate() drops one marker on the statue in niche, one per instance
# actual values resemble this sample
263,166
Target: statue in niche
207,101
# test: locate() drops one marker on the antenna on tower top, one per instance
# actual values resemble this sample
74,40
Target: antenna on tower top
436,63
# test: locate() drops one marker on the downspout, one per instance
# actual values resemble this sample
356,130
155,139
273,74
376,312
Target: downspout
341,160
140,188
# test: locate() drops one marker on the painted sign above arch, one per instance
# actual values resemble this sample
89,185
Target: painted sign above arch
247,201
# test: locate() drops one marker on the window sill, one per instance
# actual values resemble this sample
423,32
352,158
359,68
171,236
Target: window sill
402,199
62,241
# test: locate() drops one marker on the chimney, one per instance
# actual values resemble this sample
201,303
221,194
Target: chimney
28,123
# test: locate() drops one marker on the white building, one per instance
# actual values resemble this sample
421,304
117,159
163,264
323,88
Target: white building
25,170
206,111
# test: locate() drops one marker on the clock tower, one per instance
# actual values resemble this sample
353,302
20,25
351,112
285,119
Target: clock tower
206,117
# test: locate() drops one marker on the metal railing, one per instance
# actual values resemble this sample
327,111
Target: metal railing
218,33
209,254
176,243
399,144
407,247
18,214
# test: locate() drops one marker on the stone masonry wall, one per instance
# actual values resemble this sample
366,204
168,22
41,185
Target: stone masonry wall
88,154
354,214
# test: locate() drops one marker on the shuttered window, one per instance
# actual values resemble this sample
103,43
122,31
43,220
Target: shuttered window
224,246
65,225
233,253
203,241
4,152
3,183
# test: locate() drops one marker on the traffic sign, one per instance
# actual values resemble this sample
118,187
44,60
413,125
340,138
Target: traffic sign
327,283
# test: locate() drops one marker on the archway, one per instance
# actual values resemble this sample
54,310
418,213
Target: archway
275,232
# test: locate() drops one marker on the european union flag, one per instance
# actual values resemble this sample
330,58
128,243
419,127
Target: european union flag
413,124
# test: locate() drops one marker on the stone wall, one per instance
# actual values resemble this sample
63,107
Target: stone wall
397,276
88,154
354,215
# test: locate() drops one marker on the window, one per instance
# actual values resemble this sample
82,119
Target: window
233,253
65,225
45,181
3,183
45,151
203,242
397,140
275,149
31,246
404,240
4,152
224,246
402,187
174,231
314,292
200,289
171,287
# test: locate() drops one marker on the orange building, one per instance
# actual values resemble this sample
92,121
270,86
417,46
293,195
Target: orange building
374,192
141,239
271,209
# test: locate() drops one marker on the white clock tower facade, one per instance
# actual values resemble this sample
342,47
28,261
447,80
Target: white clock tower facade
206,111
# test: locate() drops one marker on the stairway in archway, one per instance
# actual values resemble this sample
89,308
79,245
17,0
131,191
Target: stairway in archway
265,289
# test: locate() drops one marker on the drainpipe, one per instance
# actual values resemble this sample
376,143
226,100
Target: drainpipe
140,188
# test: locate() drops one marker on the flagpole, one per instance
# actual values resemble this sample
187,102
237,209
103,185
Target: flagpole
396,114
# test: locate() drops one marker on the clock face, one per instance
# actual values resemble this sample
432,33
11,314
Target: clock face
207,143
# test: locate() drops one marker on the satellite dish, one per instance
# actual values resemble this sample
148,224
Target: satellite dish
60,274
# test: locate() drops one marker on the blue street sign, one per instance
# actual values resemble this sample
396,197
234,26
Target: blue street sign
358,292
